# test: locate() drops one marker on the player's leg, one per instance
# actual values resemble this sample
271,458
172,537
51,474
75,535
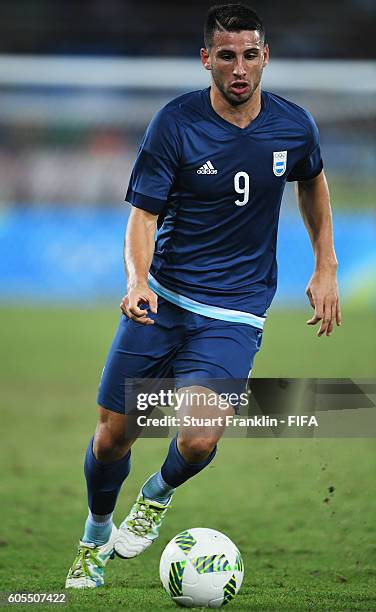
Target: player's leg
219,350
188,454
195,445
107,465
136,351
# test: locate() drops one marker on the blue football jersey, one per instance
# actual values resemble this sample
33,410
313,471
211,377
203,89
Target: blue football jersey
217,189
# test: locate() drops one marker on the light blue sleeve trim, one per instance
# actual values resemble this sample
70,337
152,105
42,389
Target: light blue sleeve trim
214,312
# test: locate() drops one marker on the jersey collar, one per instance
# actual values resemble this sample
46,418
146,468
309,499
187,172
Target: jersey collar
230,126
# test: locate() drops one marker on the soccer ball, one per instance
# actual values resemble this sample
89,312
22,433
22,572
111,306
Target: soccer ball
201,567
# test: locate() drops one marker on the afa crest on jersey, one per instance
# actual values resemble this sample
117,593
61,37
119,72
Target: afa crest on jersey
279,162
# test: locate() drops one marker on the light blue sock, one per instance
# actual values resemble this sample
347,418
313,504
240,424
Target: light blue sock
155,488
98,528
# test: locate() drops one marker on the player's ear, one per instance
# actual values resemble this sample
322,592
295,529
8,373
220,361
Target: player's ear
205,58
265,55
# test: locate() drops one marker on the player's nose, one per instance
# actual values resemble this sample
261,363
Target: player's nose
239,68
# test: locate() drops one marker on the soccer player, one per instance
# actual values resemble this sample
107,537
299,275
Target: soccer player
210,171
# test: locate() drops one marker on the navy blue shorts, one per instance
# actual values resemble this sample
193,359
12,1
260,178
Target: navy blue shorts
181,345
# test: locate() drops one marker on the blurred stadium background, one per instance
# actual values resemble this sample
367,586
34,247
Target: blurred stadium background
79,83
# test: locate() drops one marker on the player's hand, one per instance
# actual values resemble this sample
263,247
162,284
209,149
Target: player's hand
137,302
322,292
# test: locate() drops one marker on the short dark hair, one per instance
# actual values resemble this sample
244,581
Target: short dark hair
231,18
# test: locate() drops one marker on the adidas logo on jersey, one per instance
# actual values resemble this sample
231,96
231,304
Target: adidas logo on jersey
207,168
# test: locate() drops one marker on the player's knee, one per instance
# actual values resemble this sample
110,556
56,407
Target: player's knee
196,449
109,444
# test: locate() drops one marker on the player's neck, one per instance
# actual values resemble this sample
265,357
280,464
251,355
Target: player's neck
242,115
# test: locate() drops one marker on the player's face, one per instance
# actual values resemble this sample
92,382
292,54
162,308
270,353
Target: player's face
236,61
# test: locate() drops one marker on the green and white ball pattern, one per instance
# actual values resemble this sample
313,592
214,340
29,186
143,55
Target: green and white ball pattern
201,567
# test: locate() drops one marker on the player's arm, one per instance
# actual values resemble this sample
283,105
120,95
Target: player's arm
322,289
152,177
138,253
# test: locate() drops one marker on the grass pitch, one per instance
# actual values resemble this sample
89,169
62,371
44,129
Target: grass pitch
304,548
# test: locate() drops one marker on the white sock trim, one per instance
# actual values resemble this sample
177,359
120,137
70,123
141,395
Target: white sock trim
100,520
